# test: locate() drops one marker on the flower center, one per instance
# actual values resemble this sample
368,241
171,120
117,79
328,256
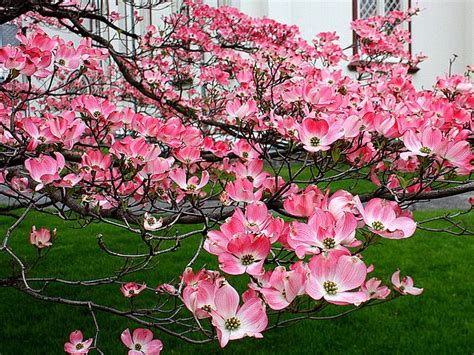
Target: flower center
232,323
378,226
245,154
96,114
247,259
191,187
61,61
138,347
329,243
314,141
131,292
207,308
330,287
79,346
425,150
151,220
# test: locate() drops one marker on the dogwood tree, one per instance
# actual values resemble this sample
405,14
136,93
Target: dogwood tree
240,129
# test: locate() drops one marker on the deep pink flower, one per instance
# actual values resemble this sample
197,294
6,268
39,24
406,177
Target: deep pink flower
322,233
141,342
303,204
76,345
316,135
45,169
245,254
131,289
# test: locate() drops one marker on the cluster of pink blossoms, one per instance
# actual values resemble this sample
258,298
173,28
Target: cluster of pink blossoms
235,122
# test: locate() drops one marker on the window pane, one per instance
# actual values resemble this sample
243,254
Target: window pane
392,5
8,34
367,8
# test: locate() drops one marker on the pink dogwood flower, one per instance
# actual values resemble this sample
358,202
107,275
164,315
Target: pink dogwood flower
245,254
386,218
427,142
304,203
373,289
141,342
201,299
333,278
322,233
284,286
240,110
317,136
151,223
242,190
234,322
405,286
131,289
191,186
45,169
41,238
76,344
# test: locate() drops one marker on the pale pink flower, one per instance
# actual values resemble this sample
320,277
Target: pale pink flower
244,150
234,322
284,286
188,155
255,218
141,342
76,344
240,110
192,185
425,143
405,286
333,278
242,190
385,218
201,299
151,223
41,238
373,289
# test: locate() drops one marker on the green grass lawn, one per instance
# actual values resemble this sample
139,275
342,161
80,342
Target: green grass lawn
440,321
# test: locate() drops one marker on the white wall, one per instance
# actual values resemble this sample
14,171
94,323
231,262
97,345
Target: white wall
443,28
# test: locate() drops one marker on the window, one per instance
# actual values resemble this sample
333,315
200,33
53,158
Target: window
362,9
369,8
7,36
